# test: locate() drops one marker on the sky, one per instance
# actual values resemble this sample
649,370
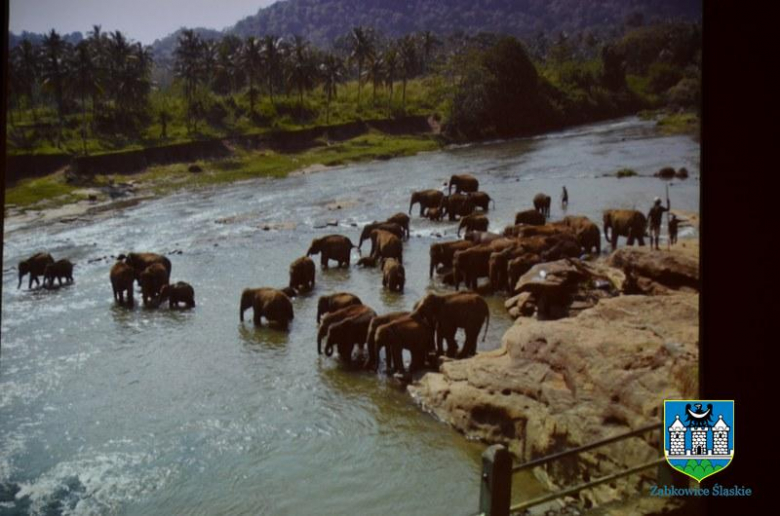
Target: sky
140,20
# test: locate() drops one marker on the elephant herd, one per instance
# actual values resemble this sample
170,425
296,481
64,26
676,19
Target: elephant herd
344,321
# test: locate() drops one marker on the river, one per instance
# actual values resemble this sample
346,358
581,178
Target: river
105,410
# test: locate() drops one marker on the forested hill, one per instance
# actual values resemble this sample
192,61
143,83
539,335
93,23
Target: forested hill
322,21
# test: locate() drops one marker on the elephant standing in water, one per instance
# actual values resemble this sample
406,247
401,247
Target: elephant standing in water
456,205
482,200
122,279
35,266
393,275
344,335
390,227
627,223
140,261
152,280
179,292
474,222
337,316
402,219
449,312
270,303
407,332
587,232
372,362
386,245
302,272
332,247
333,302
542,204
463,183
427,199
59,270
530,217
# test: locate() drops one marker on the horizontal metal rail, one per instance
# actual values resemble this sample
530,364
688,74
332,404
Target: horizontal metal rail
597,444
576,489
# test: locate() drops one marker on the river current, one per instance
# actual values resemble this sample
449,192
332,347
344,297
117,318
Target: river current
105,410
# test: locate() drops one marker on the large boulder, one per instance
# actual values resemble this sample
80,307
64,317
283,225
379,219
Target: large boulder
656,272
555,385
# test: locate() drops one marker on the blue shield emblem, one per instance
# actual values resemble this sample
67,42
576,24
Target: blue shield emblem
699,436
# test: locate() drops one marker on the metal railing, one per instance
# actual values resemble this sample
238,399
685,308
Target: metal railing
497,470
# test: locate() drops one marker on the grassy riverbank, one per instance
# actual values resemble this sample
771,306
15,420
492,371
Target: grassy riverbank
53,190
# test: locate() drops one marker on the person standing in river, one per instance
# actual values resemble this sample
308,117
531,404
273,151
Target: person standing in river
654,217
565,198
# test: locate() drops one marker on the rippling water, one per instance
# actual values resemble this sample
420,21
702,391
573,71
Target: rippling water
108,410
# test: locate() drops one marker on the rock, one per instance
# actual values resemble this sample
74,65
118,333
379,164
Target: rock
656,272
682,173
556,385
665,173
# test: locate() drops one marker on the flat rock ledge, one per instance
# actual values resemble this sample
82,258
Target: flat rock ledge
555,385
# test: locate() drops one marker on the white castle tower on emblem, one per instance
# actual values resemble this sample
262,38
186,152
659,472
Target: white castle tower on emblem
699,437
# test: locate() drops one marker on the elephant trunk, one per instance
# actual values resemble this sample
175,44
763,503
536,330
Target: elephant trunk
411,203
433,265
21,275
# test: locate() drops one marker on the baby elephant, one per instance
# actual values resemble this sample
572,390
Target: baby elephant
179,292
393,275
302,272
434,213
59,270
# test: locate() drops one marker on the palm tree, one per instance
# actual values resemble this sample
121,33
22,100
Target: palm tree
362,49
188,69
408,62
272,60
302,71
98,41
332,73
85,82
428,41
391,67
375,73
26,68
251,61
55,52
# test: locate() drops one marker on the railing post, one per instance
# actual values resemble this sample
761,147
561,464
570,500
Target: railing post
496,485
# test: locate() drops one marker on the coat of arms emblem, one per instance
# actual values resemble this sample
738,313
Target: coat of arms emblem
699,436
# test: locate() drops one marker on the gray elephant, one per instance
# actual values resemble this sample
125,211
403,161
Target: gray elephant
474,222
302,273
482,200
628,223
449,312
463,183
456,205
332,247
390,227
122,279
427,199
59,270
35,266
140,261
152,280
179,292
270,303
542,204
333,302
530,217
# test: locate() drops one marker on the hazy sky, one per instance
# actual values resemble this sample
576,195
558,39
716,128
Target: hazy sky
141,20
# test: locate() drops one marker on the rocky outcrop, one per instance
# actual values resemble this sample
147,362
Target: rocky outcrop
656,272
555,385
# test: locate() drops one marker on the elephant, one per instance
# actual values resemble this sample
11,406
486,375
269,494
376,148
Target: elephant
525,230
337,316
442,253
289,292
372,362
333,302
152,280
565,246
122,279
390,227
628,223
427,199
482,237
348,333
35,266
518,266
331,247
530,217
588,233
482,200
456,205
59,269
393,275
302,272
270,303
407,332
386,245
434,214
140,261
402,219
367,261
474,222
471,264
449,312
542,204
179,292
497,267
463,183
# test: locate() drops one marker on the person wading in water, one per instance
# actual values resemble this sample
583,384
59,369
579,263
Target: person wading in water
565,197
654,217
